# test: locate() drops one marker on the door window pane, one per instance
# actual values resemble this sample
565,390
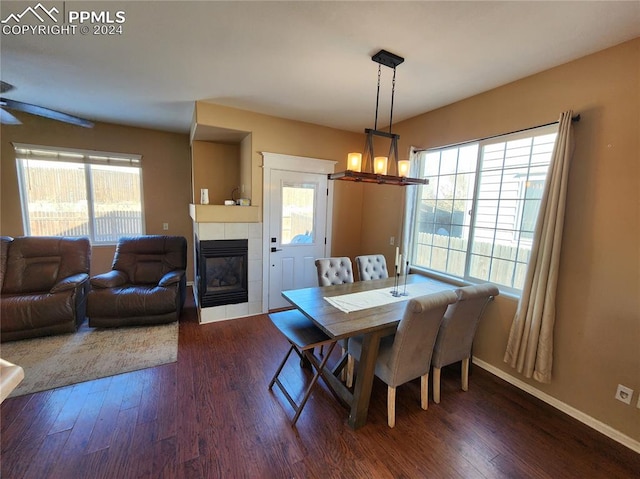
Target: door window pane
298,213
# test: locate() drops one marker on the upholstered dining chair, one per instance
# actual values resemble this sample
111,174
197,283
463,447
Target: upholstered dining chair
371,266
406,355
334,271
303,336
457,331
337,271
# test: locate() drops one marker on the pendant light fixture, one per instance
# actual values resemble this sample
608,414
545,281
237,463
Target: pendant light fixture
388,169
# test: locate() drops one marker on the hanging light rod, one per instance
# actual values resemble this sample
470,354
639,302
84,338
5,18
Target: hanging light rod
375,169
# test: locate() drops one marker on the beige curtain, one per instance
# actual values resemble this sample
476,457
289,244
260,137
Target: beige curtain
530,346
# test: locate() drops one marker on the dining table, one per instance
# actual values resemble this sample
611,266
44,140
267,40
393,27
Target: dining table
372,309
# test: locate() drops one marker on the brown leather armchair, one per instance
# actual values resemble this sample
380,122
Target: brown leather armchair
44,283
147,283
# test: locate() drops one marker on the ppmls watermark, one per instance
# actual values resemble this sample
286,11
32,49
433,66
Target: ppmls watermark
40,20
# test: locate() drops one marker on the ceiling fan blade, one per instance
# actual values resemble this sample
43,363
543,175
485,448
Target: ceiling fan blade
5,87
45,112
7,118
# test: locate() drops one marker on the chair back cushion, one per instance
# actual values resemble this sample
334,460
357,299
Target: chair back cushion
372,266
410,354
146,259
334,271
37,263
460,323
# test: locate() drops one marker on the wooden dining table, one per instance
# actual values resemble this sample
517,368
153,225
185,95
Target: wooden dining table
373,323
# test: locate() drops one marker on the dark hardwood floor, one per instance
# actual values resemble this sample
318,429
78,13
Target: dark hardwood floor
210,415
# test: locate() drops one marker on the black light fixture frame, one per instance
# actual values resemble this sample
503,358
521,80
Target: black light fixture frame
367,175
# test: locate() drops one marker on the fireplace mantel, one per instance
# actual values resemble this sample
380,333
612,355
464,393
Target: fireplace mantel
224,214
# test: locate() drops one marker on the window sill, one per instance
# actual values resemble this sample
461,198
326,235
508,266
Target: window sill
457,281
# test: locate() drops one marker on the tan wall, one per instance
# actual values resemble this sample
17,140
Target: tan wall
166,174
277,135
597,332
216,166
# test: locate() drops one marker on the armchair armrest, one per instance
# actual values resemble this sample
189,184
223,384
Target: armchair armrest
70,282
171,277
110,279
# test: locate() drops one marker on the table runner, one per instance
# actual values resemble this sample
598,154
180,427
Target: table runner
349,303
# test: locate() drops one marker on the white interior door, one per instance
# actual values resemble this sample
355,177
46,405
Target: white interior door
297,231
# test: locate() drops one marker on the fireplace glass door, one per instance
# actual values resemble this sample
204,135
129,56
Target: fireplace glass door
222,272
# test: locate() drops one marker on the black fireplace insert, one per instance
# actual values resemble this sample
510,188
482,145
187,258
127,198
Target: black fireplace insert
221,272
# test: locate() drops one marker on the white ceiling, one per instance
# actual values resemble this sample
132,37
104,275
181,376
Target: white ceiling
303,60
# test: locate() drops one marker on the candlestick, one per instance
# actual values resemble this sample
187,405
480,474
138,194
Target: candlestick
406,273
394,291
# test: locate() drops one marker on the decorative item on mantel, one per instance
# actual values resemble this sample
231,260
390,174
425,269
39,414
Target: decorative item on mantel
376,168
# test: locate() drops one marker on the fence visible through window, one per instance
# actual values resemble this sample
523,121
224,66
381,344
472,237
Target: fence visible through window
66,193
476,218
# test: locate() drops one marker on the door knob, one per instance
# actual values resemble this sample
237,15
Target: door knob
274,249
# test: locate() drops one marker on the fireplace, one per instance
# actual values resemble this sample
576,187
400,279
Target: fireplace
221,272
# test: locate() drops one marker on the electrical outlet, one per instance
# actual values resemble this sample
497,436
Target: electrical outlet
165,226
392,240
623,393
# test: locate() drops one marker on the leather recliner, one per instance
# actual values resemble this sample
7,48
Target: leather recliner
147,283
44,283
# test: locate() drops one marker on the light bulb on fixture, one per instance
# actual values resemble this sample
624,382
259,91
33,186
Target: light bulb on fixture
403,168
380,165
354,162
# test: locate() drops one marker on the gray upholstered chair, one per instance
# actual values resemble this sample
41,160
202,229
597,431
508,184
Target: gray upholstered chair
334,271
372,266
406,355
457,331
337,271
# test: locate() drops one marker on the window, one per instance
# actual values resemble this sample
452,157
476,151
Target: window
475,220
67,192
298,210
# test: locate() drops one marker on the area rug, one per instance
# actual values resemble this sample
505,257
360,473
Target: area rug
56,361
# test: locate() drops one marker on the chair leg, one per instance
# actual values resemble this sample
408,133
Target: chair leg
275,376
465,374
316,376
350,368
436,385
343,373
424,391
391,406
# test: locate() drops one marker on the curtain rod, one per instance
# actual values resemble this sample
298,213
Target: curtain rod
575,118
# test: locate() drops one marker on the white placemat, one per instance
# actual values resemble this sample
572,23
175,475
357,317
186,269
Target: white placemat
349,303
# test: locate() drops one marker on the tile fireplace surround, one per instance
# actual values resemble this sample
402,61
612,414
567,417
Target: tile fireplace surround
253,233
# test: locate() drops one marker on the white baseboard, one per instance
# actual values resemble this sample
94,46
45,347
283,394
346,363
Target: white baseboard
565,408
